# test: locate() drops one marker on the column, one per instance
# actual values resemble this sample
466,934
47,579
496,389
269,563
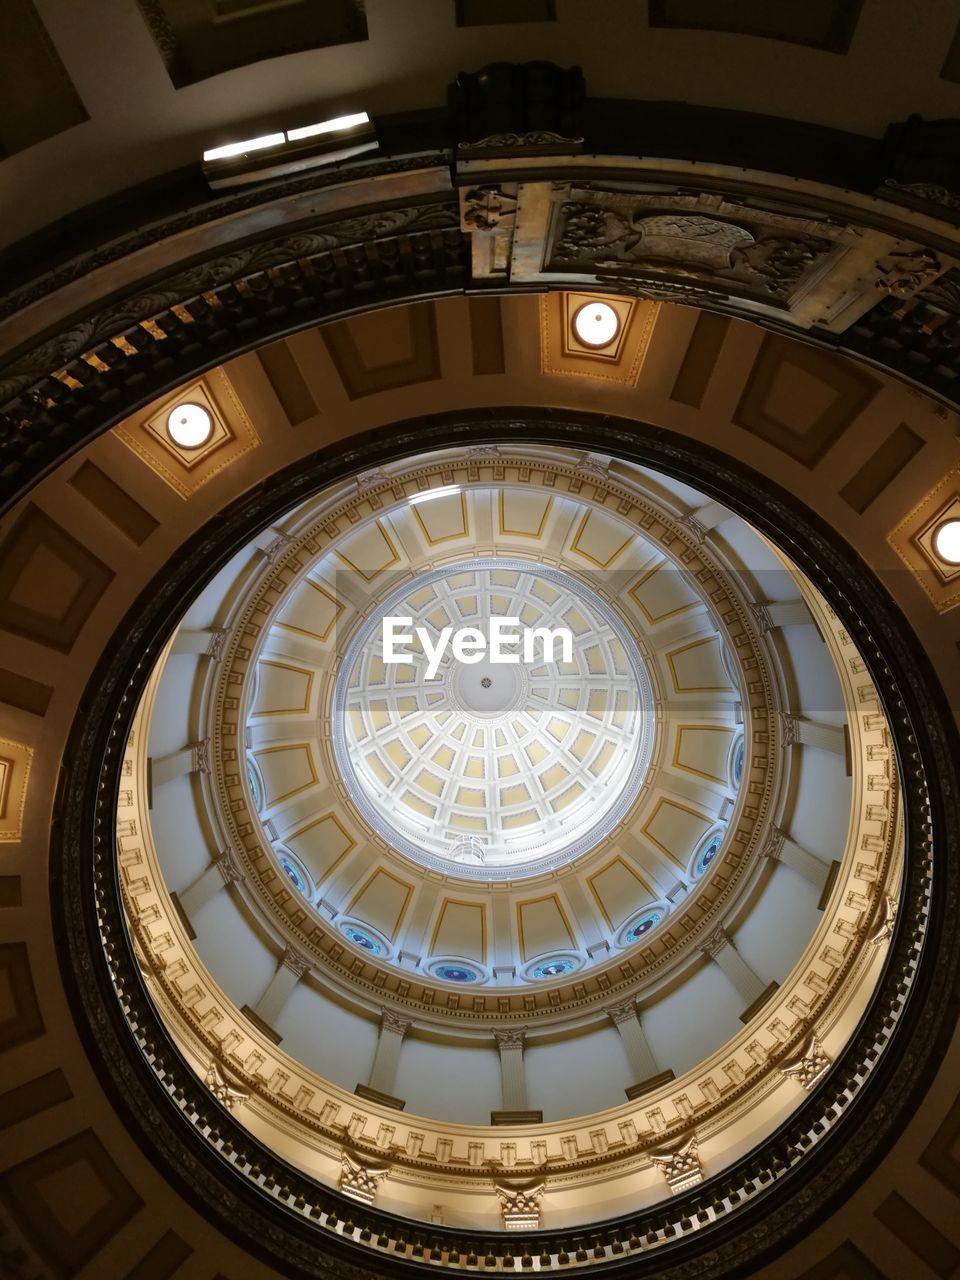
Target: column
809,733
720,949
702,520
192,759
643,1065
787,613
223,870
780,848
513,1083
293,965
207,642
383,1073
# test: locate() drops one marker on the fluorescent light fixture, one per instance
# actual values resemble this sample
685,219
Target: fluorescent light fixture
443,492
323,143
328,126
241,148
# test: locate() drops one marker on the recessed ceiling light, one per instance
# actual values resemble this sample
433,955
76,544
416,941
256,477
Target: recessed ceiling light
596,324
946,542
189,426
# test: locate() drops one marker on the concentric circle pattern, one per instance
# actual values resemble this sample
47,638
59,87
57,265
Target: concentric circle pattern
592,887
488,764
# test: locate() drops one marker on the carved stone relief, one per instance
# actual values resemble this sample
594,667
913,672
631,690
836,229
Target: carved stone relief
766,255
520,1206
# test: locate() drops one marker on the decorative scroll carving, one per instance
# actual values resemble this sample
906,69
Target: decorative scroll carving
371,479
541,140
714,942
295,961
761,617
812,1064
680,1166
200,756
694,526
595,467
520,1205
275,549
510,1039
218,640
789,730
885,928
911,270
360,1181
395,1022
927,191
221,1090
773,845
623,1011
228,865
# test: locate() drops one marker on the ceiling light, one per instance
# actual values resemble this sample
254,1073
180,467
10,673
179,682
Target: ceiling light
946,542
328,126
322,142
189,426
444,491
596,324
242,148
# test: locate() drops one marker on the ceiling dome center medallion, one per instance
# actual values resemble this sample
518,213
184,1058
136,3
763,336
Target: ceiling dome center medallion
497,768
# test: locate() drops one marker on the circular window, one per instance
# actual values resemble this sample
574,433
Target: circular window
456,969
707,853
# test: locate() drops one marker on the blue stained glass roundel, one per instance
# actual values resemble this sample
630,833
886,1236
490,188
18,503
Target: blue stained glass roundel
553,968
738,764
361,939
644,925
708,853
455,973
294,875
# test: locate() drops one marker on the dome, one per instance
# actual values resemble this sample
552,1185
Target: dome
636,955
